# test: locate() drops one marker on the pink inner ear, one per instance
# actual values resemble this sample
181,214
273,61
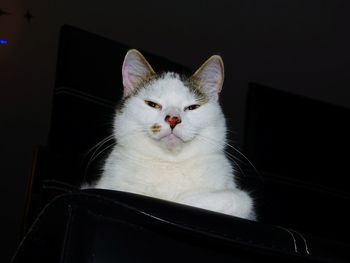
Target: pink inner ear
216,73
127,82
219,84
213,79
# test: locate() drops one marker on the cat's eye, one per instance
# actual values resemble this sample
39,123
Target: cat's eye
153,104
192,107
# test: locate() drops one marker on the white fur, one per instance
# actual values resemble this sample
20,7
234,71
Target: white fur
188,167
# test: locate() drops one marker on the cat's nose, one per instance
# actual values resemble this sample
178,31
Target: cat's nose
173,120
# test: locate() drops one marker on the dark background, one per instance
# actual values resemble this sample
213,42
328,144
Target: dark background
298,46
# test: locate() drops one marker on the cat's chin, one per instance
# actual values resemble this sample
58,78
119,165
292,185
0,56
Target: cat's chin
171,141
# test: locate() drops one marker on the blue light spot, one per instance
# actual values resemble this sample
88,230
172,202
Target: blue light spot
3,42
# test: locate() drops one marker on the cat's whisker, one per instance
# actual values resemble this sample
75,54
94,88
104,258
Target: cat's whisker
228,154
98,146
101,142
99,153
231,156
93,156
212,141
245,157
235,149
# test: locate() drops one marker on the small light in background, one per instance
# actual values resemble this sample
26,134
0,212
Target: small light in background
3,41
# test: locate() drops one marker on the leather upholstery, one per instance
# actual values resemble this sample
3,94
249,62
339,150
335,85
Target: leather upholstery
109,226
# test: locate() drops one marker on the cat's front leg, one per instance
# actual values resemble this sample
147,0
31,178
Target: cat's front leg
233,202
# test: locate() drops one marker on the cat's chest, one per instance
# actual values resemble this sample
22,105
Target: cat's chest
158,173
165,180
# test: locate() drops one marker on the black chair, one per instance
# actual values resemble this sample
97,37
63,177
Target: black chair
300,148
64,224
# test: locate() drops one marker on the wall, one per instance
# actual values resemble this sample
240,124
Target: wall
299,46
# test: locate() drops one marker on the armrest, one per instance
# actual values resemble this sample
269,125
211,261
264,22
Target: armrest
110,226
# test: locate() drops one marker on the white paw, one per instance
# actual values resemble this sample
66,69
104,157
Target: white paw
233,202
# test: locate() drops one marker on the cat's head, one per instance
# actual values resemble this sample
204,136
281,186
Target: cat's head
169,113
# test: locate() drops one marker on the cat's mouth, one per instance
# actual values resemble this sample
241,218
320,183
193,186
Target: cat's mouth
172,140
171,137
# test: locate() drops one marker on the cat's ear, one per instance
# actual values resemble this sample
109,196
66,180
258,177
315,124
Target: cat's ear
135,70
211,76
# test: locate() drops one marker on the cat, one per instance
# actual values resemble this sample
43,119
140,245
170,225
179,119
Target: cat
171,136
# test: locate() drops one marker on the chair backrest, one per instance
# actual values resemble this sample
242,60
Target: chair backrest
300,147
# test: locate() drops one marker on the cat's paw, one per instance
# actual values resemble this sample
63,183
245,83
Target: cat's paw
233,202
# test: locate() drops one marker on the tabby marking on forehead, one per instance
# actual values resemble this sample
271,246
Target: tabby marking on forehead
194,85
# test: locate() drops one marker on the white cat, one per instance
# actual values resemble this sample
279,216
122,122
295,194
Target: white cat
171,135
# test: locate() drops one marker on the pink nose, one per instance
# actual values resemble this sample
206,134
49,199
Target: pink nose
172,120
